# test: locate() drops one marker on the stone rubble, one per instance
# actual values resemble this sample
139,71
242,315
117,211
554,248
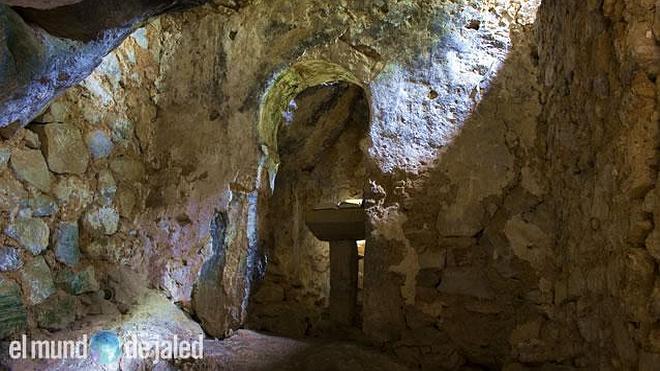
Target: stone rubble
43,205
99,144
57,313
37,280
64,149
30,166
31,233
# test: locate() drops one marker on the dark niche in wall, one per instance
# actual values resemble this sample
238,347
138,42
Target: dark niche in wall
321,145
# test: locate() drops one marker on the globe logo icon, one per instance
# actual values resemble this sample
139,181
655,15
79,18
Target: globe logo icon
105,347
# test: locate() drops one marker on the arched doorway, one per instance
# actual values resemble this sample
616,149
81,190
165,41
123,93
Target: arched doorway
321,142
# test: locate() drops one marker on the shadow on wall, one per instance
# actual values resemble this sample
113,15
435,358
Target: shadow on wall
470,259
461,258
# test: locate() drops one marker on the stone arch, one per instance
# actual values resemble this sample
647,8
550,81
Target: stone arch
285,87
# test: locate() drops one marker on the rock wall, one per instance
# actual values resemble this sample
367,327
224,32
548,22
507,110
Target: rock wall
77,187
58,187
460,258
600,63
192,213
511,164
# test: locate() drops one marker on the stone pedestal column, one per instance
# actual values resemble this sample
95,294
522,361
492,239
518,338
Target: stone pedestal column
343,281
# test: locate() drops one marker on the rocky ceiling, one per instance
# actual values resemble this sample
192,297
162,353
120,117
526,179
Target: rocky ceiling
47,46
87,20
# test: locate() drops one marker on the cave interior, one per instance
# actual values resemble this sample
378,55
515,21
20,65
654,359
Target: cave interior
330,185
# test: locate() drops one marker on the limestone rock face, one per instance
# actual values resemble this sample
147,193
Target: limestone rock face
460,219
529,242
468,281
68,44
601,172
30,166
653,244
451,122
64,148
32,233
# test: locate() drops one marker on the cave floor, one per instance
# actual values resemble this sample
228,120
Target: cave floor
155,317
246,350
249,350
